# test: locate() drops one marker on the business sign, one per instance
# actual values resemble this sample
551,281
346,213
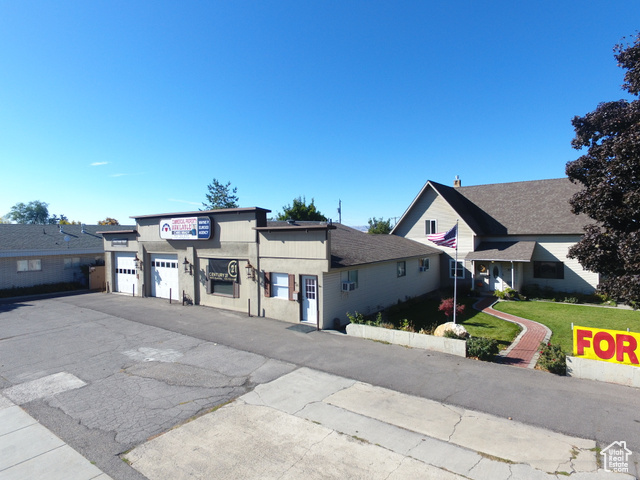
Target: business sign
606,345
223,269
185,228
120,242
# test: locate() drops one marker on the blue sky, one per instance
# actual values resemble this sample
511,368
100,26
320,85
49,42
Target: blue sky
120,108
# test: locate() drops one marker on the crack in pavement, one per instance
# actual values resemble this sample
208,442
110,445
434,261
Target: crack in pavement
305,453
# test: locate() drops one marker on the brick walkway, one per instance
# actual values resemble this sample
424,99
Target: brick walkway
524,350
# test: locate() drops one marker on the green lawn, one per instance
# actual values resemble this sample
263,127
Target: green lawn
424,314
558,318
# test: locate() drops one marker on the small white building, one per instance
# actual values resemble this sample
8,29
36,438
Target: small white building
312,272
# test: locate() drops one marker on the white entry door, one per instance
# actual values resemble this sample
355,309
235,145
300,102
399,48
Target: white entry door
164,275
495,277
125,273
309,299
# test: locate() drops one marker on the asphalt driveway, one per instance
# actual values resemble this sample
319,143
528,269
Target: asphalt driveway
148,366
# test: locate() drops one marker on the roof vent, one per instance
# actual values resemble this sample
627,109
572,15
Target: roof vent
291,221
83,231
456,182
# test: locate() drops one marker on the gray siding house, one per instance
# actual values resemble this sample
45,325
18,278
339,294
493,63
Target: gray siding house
33,255
510,234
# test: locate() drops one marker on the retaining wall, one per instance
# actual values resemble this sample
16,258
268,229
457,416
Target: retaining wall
603,371
409,339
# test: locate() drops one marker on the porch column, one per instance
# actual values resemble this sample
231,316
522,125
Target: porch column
513,275
473,275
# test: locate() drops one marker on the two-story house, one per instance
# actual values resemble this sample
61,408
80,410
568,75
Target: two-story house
509,234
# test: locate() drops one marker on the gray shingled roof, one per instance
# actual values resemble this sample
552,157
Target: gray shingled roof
350,247
503,251
19,239
535,207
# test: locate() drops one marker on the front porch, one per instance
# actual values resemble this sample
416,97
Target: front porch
499,265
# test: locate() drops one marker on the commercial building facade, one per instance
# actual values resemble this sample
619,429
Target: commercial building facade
235,259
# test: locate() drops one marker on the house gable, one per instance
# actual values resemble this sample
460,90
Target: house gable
431,204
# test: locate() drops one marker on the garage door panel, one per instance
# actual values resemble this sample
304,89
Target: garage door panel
125,272
164,275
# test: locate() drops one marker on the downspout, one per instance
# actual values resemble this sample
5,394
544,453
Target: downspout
259,302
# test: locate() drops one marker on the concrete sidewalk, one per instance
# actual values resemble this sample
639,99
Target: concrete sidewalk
313,425
30,451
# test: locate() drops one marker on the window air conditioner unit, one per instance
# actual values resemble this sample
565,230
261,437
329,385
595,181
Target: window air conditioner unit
348,286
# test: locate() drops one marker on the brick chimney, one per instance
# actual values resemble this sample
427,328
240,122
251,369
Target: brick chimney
456,182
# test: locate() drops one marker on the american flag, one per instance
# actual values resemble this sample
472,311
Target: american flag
447,239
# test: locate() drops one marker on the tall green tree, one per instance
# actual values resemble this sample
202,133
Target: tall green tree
379,226
220,196
32,212
109,221
609,170
299,210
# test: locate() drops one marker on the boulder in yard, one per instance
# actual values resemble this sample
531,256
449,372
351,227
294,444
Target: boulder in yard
450,326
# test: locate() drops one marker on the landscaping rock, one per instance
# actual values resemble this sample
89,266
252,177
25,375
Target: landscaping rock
450,326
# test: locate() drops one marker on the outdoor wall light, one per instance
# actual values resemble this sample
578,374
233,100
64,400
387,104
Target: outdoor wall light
187,263
137,262
251,271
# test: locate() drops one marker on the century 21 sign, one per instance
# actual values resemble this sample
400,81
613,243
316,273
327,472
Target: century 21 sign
606,345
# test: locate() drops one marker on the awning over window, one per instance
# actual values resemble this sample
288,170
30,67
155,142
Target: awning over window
503,252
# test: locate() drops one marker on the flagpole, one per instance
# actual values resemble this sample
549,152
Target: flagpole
455,279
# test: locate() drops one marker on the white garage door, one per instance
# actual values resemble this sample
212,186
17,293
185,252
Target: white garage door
164,275
125,273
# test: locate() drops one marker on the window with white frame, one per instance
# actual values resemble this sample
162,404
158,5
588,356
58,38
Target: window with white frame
401,268
34,265
430,226
349,276
280,285
452,268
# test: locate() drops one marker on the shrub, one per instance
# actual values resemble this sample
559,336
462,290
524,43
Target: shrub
571,300
482,348
41,289
452,334
552,359
360,319
356,318
428,330
446,307
406,326
508,294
